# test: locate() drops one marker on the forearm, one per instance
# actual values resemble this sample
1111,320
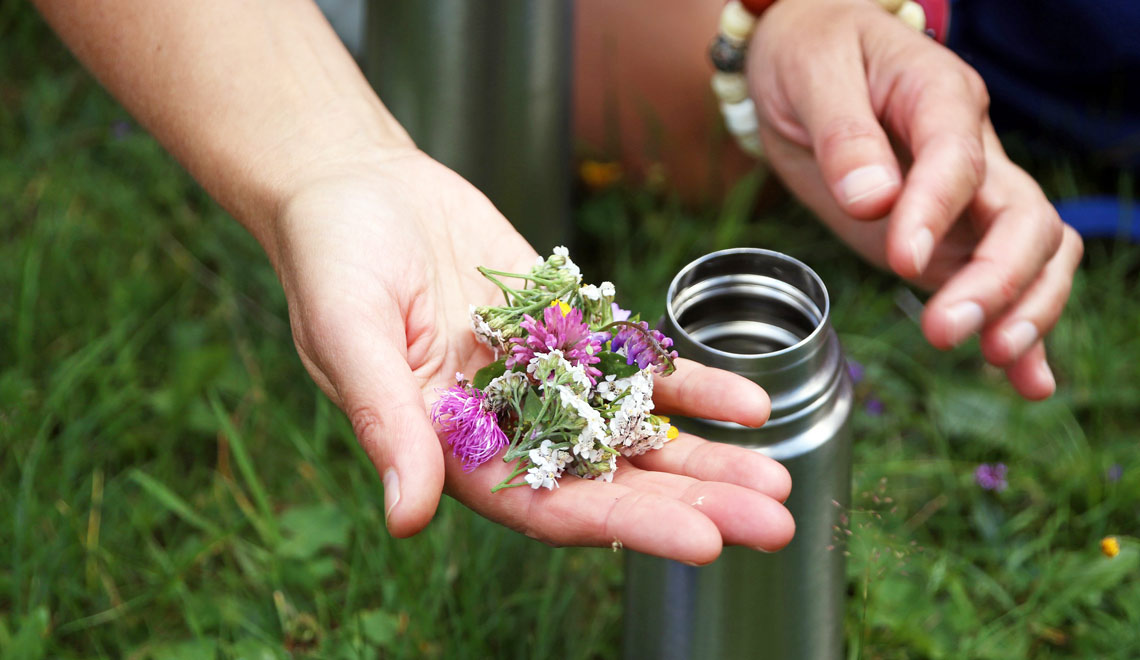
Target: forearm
249,96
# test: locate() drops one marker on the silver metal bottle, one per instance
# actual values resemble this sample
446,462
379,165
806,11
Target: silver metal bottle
763,315
484,87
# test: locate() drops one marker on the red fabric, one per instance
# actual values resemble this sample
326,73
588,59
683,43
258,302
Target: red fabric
757,7
937,18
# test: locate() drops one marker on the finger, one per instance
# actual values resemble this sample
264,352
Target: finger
1036,312
940,119
385,405
742,515
584,512
713,461
1022,233
799,171
695,390
1031,376
854,155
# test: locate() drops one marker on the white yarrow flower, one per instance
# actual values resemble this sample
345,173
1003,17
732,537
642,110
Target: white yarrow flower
485,333
548,465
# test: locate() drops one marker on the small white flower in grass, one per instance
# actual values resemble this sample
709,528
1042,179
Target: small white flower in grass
590,292
607,289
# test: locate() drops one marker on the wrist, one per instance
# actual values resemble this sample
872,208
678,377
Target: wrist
741,23
308,148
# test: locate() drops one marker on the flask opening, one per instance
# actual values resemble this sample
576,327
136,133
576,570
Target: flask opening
748,303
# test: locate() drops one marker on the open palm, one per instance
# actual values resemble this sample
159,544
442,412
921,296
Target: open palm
379,268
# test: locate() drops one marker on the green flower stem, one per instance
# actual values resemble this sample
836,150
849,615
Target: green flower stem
503,485
507,291
487,272
506,483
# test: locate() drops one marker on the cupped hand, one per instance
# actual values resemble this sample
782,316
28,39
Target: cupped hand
377,257
885,135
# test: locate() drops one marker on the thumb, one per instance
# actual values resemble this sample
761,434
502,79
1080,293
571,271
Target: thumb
854,156
383,401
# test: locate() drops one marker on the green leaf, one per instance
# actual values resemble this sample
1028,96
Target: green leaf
614,364
311,528
252,649
532,405
173,502
489,373
380,628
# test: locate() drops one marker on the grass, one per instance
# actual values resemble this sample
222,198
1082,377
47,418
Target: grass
173,485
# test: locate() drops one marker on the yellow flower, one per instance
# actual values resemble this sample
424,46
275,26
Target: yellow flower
561,306
599,175
1109,546
672,432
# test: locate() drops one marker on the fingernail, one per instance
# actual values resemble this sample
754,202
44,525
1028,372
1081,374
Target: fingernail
921,246
965,319
689,563
864,182
759,549
1047,375
1019,337
391,492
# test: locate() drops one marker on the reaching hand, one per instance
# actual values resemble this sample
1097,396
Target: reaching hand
841,88
378,260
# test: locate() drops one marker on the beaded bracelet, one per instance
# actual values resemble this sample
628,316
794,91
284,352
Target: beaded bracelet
728,51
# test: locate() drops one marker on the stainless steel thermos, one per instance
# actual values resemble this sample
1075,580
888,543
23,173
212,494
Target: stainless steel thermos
484,87
763,315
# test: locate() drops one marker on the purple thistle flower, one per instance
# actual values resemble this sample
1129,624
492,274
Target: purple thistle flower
565,332
856,371
638,348
470,424
991,477
1115,472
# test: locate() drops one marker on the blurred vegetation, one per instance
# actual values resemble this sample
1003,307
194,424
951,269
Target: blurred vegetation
174,486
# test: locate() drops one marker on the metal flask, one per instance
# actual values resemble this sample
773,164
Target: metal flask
763,315
484,87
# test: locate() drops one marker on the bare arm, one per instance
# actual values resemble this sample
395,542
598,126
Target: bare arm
376,246
247,95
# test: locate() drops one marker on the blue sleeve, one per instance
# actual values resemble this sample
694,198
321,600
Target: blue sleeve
1065,72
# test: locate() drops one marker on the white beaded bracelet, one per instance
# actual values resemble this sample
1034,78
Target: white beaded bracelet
728,51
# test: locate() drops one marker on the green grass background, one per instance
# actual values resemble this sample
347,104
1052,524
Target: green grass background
174,486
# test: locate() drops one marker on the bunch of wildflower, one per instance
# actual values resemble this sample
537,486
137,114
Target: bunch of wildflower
572,388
